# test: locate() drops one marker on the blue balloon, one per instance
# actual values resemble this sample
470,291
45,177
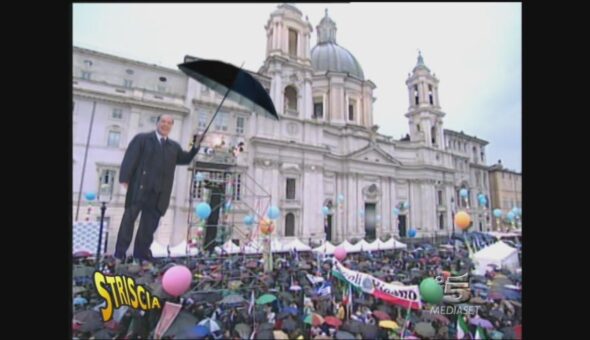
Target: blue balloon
480,196
483,201
248,220
203,210
497,212
199,177
90,196
325,211
273,213
412,233
395,211
463,192
340,198
510,215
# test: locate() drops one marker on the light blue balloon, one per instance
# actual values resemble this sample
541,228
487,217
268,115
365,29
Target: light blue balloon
325,211
483,200
497,212
340,198
510,216
273,213
395,211
90,196
406,205
412,233
248,220
203,210
480,196
463,192
199,177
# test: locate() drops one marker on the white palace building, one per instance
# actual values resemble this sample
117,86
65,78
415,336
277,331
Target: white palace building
324,151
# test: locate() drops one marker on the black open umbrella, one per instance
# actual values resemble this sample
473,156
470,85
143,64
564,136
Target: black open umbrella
231,82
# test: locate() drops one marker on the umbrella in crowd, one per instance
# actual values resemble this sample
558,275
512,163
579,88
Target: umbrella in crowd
82,253
353,326
388,324
196,332
344,335
369,331
314,319
183,321
333,321
425,329
381,315
481,323
211,310
280,335
210,324
78,300
233,299
289,325
266,298
243,330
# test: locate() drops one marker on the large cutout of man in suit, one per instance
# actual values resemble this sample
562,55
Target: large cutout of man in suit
147,172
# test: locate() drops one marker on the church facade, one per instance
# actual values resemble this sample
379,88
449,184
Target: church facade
325,151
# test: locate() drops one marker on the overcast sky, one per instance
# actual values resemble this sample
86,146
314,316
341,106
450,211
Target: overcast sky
474,49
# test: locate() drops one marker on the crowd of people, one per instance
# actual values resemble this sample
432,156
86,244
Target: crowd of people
302,299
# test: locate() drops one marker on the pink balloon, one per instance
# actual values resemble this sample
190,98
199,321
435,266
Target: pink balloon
177,280
340,253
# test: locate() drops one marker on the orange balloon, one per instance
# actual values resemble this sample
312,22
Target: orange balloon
266,226
462,220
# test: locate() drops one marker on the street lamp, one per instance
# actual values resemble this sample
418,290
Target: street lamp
105,195
452,217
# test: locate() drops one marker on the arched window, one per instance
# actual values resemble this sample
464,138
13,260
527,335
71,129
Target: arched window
291,99
290,225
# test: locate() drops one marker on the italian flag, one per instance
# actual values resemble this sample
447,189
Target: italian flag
395,300
462,329
383,295
480,333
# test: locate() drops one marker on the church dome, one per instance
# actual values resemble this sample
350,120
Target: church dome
327,55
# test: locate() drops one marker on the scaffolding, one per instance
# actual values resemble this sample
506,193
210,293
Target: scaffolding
232,194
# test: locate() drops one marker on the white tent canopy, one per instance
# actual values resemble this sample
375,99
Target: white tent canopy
253,248
364,245
297,245
180,250
349,247
158,250
278,247
500,254
327,248
228,248
392,244
373,246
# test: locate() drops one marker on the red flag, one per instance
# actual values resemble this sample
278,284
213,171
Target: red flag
169,313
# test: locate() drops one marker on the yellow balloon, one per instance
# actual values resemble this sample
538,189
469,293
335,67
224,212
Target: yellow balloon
266,226
462,220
